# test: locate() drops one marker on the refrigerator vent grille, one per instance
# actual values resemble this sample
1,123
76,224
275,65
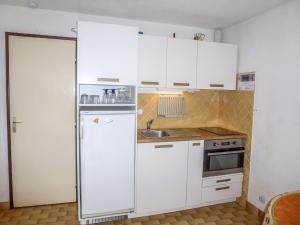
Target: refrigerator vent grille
170,106
105,219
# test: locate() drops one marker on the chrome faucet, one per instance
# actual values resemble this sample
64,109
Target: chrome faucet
149,123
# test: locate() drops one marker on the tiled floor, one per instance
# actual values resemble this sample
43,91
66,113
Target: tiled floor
64,214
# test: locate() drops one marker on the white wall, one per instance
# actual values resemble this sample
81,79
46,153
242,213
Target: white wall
17,19
270,45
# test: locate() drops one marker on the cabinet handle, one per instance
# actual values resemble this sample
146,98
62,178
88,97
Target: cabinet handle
225,153
81,128
222,188
196,144
150,83
224,180
181,84
116,80
216,85
163,146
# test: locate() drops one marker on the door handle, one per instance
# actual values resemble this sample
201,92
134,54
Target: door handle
81,130
225,153
14,124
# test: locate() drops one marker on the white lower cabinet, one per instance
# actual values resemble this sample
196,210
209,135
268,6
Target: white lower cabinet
221,187
161,176
169,178
195,168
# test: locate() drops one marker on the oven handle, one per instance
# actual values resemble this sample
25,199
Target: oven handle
225,153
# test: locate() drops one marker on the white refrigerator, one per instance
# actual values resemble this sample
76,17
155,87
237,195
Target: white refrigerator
107,153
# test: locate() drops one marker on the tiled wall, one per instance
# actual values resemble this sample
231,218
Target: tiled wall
228,109
201,109
235,112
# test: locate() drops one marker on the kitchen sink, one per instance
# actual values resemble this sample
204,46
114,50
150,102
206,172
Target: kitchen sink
154,133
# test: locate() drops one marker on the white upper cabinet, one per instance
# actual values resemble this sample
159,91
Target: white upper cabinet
107,54
217,65
181,63
152,61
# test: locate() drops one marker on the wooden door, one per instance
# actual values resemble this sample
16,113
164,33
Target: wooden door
41,119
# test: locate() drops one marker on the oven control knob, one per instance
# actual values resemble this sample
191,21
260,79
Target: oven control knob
215,144
234,142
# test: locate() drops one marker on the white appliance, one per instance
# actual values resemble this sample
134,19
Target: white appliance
107,153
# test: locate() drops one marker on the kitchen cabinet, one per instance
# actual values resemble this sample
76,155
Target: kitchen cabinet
107,54
218,188
195,168
181,63
152,61
161,176
216,66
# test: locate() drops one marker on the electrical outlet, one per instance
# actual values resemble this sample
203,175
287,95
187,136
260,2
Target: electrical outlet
140,111
262,199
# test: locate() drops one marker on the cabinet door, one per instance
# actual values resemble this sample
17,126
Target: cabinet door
181,63
161,176
107,54
152,61
195,168
217,64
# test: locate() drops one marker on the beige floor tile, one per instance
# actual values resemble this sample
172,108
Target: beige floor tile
66,214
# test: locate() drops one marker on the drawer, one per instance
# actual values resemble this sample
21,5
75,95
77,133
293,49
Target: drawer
224,179
216,193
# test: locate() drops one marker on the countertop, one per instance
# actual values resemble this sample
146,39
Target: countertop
186,134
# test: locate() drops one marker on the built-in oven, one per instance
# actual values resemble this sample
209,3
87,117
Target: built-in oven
223,157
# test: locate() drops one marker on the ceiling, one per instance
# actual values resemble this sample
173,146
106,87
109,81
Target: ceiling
202,13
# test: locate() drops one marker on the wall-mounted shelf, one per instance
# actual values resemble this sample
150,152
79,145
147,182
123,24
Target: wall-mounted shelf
103,105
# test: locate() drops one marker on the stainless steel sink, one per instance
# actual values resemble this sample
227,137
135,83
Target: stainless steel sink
154,133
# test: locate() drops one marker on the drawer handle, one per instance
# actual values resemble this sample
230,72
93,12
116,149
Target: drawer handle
163,146
224,180
216,85
196,144
181,84
116,80
150,83
222,188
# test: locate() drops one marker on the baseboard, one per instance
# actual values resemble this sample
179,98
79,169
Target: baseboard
4,205
252,209
135,214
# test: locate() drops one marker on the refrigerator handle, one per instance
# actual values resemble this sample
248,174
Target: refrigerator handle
81,128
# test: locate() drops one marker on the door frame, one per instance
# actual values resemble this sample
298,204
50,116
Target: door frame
7,35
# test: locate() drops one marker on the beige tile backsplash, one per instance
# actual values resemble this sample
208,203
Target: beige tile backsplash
201,109
228,109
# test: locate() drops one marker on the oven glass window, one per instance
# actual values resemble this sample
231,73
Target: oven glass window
221,162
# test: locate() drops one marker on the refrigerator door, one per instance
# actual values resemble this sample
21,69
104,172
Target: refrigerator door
107,163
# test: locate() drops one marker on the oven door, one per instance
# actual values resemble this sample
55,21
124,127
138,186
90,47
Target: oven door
223,161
